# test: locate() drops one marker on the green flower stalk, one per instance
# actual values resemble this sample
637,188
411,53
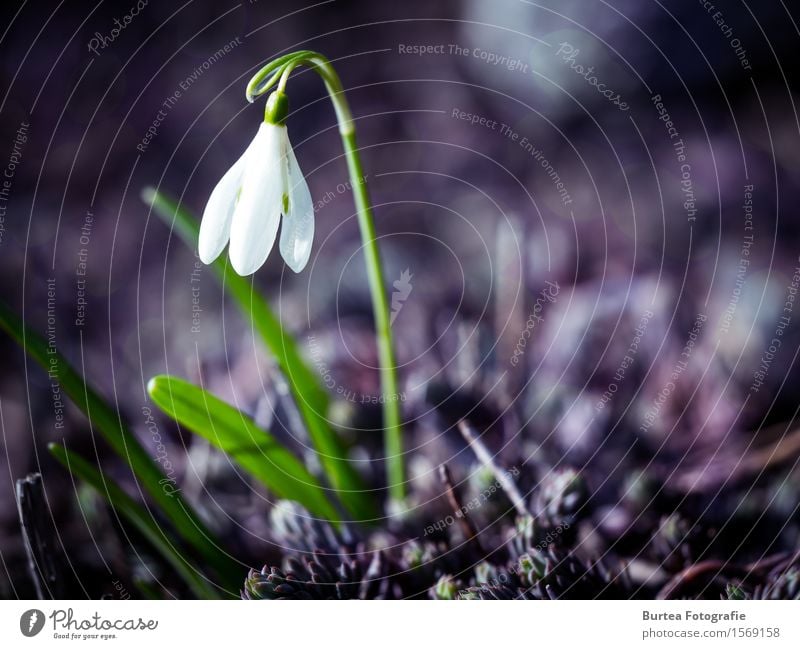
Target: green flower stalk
265,188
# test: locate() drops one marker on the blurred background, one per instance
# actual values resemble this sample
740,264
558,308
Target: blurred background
593,203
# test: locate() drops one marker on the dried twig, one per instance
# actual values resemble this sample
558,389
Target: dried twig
732,468
502,477
678,585
40,544
467,526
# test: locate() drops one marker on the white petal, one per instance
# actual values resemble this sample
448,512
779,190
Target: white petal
215,228
297,230
258,211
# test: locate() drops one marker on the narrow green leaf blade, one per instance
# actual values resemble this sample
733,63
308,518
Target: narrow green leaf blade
309,394
235,434
136,515
108,422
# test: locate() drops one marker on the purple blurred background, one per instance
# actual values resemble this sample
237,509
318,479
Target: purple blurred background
495,165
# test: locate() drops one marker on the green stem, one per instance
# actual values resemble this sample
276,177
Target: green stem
393,440
380,304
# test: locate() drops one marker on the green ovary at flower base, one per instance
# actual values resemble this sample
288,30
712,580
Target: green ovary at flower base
245,209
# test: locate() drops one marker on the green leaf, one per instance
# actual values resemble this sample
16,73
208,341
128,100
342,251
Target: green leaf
147,589
138,516
103,417
308,393
235,434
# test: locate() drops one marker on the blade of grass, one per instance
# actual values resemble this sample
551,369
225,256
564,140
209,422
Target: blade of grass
308,393
109,422
149,591
137,516
235,434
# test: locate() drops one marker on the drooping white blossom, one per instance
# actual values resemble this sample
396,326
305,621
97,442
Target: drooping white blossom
245,207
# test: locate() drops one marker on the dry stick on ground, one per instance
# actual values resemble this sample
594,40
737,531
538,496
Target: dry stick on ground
738,467
502,477
40,544
786,448
467,526
687,578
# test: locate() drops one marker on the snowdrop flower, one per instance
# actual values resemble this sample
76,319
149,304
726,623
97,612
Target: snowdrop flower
246,205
